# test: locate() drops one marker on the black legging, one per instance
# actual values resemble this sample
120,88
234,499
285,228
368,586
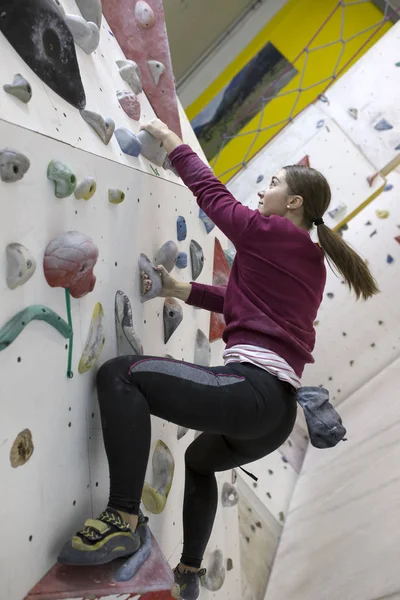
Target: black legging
244,412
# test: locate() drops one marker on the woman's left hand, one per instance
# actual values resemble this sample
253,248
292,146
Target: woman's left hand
157,129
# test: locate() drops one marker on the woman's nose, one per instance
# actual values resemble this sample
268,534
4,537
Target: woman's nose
260,194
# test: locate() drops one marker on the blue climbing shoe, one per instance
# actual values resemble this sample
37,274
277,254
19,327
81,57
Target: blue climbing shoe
189,583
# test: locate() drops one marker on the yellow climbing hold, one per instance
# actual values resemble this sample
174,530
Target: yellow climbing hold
382,214
95,340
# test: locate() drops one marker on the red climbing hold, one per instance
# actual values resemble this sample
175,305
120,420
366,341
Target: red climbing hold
305,161
221,272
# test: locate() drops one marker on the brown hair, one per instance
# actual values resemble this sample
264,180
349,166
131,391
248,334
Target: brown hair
312,186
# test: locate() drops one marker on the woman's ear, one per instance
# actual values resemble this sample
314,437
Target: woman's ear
295,202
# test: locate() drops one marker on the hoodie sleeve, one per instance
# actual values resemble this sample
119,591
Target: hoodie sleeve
209,297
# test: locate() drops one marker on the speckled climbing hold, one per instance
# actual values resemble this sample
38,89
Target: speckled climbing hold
181,230
230,256
155,496
68,262
181,260
214,578
144,15
22,449
154,276
85,189
383,125
95,340
208,224
166,256
181,432
389,259
91,10
260,178
197,259
130,73
173,317
20,88
103,127
229,495
132,565
229,564
320,123
39,34
11,330
152,149
20,265
86,35
382,214
156,69
128,142
13,165
388,187
353,112
116,196
63,177
130,103
202,350
128,341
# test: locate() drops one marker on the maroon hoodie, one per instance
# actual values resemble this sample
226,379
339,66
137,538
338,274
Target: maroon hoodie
278,276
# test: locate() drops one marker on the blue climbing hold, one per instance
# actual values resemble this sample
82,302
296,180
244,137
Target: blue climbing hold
389,259
181,260
383,125
388,187
181,231
208,224
320,124
128,141
260,178
397,147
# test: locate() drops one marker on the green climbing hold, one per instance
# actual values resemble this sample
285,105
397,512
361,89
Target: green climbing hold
63,177
398,64
36,312
116,196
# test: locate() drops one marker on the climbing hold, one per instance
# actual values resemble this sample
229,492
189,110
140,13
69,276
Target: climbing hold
397,238
371,178
116,196
337,210
373,233
22,449
20,88
323,98
130,72
155,496
130,103
128,141
181,260
167,165
154,276
144,15
59,7
166,256
20,265
260,178
69,260
330,295
152,149
156,69
39,34
128,341
389,259
305,161
229,496
353,112
388,187
11,330
214,578
169,357
86,35
382,214
397,147
368,223
103,127
173,316
383,125
131,566
197,259
181,231
202,350
208,224
221,272
91,10
320,123
85,189
63,177
95,340
229,564
230,256
13,164
181,432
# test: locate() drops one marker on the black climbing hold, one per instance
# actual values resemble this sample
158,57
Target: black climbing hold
38,33
260,178
351,363
373,233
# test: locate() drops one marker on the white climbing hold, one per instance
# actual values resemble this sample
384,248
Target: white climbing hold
20,265
156,69
91,10
85,189
130,72
144,14
85,34
13,165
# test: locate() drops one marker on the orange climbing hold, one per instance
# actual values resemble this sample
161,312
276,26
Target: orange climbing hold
221,272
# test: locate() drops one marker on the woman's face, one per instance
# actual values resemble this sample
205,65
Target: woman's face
274,199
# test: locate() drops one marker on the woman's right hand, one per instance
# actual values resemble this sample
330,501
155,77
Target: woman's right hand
171,288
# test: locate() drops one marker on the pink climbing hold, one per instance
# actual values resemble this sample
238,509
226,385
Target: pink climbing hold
130,103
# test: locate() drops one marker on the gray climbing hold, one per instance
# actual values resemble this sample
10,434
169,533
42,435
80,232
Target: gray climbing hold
229,495
383,125
169,356
166,256
156,69
230,256
181,432
128,142
152,149
154,276
116,196
167,165
337,210
59,7
214,578
155,496
91,10
20,265
208,224
20,88
103,127
132,565
353,112
86,35
128,341
197,259
85,189
173,317
130,72
202,350
63,177
13,165
144,15
229,564
181,230
181,260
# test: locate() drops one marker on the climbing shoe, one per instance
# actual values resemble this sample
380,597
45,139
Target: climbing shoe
102,540
189,583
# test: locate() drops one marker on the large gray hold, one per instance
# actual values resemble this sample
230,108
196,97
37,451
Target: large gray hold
13,165
103,127
197,259
20,265
128,341
91,10
229,495
152,149
130,72
166,256
202,350
214,579
154,276
20,88
85,34
173,317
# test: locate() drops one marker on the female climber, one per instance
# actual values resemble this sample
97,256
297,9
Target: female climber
246,408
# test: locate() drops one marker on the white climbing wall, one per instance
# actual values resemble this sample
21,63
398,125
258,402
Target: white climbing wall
66,479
